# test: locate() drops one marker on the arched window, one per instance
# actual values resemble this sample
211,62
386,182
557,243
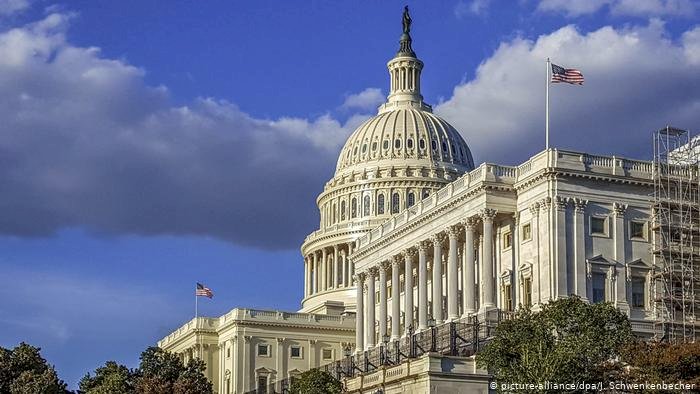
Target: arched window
421,143
426,193
411,199
333,212
397,143
380,204
409,143
353,208
365,206
342,210
395,203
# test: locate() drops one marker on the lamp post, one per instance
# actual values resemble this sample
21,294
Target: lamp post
385,350
433,332
347,352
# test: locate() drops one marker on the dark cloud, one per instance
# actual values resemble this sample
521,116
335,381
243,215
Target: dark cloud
84,142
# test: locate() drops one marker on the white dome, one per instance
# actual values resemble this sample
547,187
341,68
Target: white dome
405,136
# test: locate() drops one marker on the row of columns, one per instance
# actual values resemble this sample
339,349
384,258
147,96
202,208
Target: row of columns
365,321
328,268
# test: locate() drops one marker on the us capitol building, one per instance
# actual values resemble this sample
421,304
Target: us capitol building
415,241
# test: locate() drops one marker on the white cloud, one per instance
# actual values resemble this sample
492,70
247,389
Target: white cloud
637,80
8,7
644,8
85,142
474,7
367,99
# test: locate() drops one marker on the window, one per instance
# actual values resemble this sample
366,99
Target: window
527,292
433,144
507,240
409,144
444,146
507,298
328,354
295,352
598,285
353,208
395,203
411,199
342,210
263,350
638,292
365,209
598,225
527,232
421,144
228,352
426,193
637,230
385,144
333,211
364,148
380,204
397,143
374,146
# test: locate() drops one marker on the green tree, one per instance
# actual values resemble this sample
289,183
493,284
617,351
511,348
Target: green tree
567,341
112,378
24,371
161,372
316,382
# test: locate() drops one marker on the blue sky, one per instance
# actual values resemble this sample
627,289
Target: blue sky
146,145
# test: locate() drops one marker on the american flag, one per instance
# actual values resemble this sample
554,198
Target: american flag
568,75
203,291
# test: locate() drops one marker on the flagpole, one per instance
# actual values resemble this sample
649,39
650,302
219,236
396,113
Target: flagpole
546,111
196,320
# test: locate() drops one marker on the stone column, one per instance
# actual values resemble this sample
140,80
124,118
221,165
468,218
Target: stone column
560,265
336,267
279,360
437,278
383,268
487,278
306,277
621,278
360,313
351,263
324,269
422,286
408,287
395,299
469,280
314,286
344,259
234,363
452,279
580,249
371,276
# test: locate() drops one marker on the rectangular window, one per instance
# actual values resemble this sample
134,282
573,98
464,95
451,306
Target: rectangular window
262,384
598,285
527,232
328,354
295,352
637,230
264,350
388,292
598,225
527,292
638,292
507,298
228,352
507,239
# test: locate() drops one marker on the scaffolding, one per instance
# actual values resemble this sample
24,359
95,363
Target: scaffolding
676,234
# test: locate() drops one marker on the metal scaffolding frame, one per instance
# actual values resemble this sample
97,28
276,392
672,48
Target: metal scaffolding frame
676,234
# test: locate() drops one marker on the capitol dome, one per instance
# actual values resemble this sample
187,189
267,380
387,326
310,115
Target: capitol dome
392,161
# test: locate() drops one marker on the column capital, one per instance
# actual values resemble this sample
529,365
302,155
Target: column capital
546,204
372,272
408,253
385,265
579,204
561,203
423,246
471,222
619,208
281,340
396,261
487,214
437,238
335,247
516,218
360,277
454,231
535,208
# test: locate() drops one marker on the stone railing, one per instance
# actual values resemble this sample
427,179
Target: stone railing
199,323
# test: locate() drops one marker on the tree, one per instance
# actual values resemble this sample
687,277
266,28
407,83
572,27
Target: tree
24,371
662,362
161,372
110,379
567,341
315,381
